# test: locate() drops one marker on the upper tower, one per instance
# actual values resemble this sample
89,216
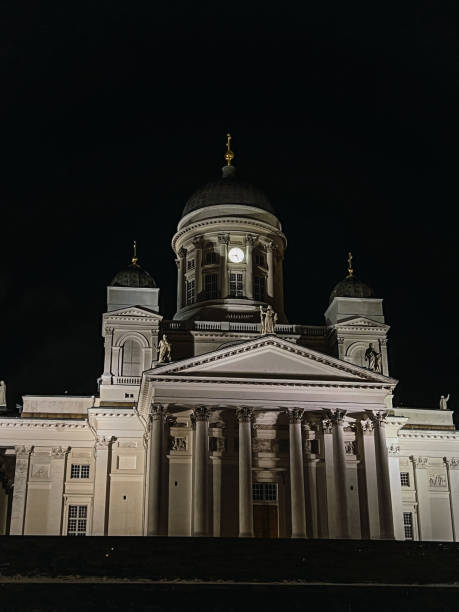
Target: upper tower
229,248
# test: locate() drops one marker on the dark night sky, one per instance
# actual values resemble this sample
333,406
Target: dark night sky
115,112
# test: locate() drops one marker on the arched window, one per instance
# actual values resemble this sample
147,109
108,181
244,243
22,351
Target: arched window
132,359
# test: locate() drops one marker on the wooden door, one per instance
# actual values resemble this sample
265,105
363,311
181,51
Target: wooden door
265,521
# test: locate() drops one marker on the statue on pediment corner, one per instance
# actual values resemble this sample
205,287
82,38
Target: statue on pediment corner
164,350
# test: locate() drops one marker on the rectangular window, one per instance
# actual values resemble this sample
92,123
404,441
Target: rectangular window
210,286
79,471
259,288
77,520
211,257
259,259
408,525
190,292
404,479
264,491
190,265
235,284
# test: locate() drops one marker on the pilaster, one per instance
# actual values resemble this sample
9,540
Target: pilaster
421,479
452,469
101,451
56,498
21,476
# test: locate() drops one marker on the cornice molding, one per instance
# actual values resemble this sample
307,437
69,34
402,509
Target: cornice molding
227,220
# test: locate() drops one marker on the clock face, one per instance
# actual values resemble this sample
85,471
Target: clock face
236,255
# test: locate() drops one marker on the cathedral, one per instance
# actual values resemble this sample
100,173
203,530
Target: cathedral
228,420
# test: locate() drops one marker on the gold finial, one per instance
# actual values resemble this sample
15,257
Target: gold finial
135,258
229,155
349,266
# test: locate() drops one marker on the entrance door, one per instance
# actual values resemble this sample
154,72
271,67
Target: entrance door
265,521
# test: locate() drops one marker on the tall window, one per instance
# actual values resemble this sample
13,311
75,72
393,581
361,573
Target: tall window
77,521
408,525
79,471
259,259
264,491
405,479
211,257
132,358
190,264
235,284
190,291
259,288
210,286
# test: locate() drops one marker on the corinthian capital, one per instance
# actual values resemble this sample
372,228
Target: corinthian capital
251,239
378,417
244,414
337,416
295,415
223,238
201,413
158,412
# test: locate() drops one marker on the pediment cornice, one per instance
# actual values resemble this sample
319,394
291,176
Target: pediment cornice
266,342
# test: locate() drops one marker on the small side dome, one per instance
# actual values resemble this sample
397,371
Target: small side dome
351,286
133,275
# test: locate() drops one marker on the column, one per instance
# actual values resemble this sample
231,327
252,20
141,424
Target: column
452,469
154,486
101,452
270,260
421,481
297,474
56,498
383,350
107,375
326,484
223,239
339,454
180,261
280,283
201,449
197,242
386,521
250,240
245,416
366,432
21,476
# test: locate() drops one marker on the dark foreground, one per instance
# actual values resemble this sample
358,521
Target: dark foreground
226,574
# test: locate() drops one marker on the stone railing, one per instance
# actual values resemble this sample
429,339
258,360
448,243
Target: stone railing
247,328
126,380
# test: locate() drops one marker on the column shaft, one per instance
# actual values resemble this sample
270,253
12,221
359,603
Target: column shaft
270,261
245,416
297,475
224,288
180,276
339,454
154,488
382,467
200,520
249,241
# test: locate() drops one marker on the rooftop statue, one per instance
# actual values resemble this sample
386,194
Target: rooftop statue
444,402
164,350
268,320
2,393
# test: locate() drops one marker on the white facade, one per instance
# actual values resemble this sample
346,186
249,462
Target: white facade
243,434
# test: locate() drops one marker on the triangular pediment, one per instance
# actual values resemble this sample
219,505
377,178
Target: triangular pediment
269,357
133,311
361,322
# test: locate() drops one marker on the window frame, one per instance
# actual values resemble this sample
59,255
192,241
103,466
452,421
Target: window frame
238,292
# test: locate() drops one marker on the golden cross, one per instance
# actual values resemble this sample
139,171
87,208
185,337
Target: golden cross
349,265
135,258
229,155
